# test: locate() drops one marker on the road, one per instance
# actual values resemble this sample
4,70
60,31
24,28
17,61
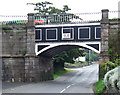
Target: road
80,80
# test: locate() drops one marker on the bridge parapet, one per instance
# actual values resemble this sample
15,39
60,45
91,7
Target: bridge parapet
68,32
68,18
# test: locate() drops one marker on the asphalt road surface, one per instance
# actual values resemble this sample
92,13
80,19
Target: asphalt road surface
80,80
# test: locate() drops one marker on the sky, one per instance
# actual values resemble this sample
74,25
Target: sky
20,7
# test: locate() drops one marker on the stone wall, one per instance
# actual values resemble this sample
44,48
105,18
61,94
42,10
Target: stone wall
19,62
13,69
113,42
38,69
27,69
13,51
14,40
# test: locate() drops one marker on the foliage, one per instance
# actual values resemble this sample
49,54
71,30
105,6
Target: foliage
73,53
45,7
111,65
41,7
65,56
99,86
93,56
7,28
103,69
57,74
106,66
24,51
60,57
55,15
7,31
58,61
113,44
76,64
117,62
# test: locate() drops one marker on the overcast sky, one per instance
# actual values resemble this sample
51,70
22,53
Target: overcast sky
19,7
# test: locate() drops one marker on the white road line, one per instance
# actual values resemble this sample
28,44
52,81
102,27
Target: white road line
62,90
66,88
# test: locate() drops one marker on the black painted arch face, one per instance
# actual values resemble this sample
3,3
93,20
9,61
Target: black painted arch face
48,50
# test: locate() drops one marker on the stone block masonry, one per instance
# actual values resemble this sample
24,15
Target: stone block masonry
27,69
19,62
38,69
104,36
14,42
13,51
13,69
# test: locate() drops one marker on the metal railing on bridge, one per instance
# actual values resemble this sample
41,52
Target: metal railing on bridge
67,18
70,18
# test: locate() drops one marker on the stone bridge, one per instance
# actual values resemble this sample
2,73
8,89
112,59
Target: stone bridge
44,41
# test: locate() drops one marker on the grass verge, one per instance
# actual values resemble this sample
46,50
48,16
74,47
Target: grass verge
99,86
56,75
77,63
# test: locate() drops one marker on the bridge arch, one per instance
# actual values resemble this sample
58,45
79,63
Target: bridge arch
54,48
92,36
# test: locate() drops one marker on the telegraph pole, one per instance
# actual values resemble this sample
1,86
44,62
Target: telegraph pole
89,56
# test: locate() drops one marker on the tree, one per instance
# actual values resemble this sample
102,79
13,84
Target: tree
58,61
74,53
41,7
66,8
46,10
93,56
66,56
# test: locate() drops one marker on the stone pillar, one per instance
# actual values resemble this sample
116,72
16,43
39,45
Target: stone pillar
104,36
37,68
31,60
31,35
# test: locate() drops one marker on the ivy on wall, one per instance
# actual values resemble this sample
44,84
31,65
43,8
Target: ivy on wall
113,44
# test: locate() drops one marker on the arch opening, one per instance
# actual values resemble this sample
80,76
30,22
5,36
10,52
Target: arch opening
51,49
